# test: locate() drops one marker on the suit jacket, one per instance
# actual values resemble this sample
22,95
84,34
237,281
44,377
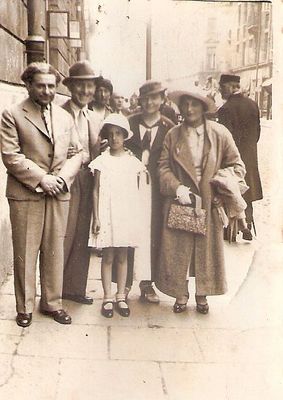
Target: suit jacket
28,152
93,129
240,115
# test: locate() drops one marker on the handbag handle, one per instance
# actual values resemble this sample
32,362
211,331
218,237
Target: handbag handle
196,203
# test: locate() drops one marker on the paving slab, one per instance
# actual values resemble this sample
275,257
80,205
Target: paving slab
70,341
248,381
9,343
154,344
5,369
197,381
31,378
230,345
119,380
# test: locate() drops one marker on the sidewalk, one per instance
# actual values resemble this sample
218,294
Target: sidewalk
235,352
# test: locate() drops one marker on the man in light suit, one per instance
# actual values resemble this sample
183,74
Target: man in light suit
81,83
35,137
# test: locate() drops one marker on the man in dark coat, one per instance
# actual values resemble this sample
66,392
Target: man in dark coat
81,84
149,128
240,115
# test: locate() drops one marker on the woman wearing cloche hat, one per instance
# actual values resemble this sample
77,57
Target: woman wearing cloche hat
149,128
192,154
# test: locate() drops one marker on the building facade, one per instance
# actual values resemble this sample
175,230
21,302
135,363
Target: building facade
252,50
26,27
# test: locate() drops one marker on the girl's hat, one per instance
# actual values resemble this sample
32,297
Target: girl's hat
177,95
118,120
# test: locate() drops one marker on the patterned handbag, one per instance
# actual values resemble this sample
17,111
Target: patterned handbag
189,218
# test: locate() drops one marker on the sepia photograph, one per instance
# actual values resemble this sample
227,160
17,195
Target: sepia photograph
141,194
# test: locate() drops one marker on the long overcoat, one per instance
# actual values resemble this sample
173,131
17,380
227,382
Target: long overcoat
240,115
181,250
135,145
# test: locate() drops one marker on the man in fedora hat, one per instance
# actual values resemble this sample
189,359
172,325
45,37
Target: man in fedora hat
81,84
240,115
35,136
149,128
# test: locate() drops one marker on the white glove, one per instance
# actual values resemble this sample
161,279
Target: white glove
183,195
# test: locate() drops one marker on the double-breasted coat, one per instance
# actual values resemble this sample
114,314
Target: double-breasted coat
181,250
135,145
240,115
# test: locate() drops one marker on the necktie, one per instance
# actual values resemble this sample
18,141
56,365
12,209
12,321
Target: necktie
82,126
146,140
46,117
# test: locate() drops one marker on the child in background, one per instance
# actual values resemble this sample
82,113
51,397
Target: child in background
116,209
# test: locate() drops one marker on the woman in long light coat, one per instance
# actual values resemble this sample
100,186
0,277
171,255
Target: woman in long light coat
192,154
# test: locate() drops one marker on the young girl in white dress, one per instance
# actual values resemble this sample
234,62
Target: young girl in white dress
116,209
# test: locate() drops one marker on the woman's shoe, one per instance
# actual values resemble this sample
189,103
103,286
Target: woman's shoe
202,308
107,312
123,311
148,293
179,308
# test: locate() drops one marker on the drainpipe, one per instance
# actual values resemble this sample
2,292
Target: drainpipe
34,41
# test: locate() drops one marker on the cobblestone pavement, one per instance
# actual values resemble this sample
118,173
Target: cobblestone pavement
235,352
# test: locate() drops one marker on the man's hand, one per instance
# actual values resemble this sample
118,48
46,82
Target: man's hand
52,185
103,145
72,151
95,226
183,195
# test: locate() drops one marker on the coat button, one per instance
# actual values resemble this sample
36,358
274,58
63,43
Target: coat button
49,155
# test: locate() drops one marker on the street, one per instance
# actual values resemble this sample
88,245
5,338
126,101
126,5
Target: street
235,352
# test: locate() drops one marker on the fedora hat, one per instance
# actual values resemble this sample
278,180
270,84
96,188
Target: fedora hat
80,70
118,120
150,87
176,96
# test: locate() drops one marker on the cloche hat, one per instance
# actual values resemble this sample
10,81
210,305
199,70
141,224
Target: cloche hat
118,120
176,96
151,87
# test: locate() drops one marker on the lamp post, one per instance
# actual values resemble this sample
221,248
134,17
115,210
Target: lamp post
148,44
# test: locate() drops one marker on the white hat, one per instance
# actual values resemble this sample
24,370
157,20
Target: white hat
118,120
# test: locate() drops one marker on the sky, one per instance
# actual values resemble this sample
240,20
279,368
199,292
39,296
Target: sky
118,43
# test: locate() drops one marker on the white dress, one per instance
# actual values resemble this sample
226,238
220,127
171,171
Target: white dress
120,206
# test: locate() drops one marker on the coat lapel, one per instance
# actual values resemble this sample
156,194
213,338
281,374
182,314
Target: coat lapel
33,115
183,156
207,153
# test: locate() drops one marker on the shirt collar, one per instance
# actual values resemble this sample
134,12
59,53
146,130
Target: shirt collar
76,109
199,130
39,107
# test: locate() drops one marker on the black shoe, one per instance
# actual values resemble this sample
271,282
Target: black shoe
24,320
59,316
123,311
107,312
179,308
247,234
78,298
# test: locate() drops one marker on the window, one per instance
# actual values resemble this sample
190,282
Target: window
265,46
266,21
211,58
239,14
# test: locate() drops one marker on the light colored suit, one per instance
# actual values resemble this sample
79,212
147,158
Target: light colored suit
38,221
76,250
